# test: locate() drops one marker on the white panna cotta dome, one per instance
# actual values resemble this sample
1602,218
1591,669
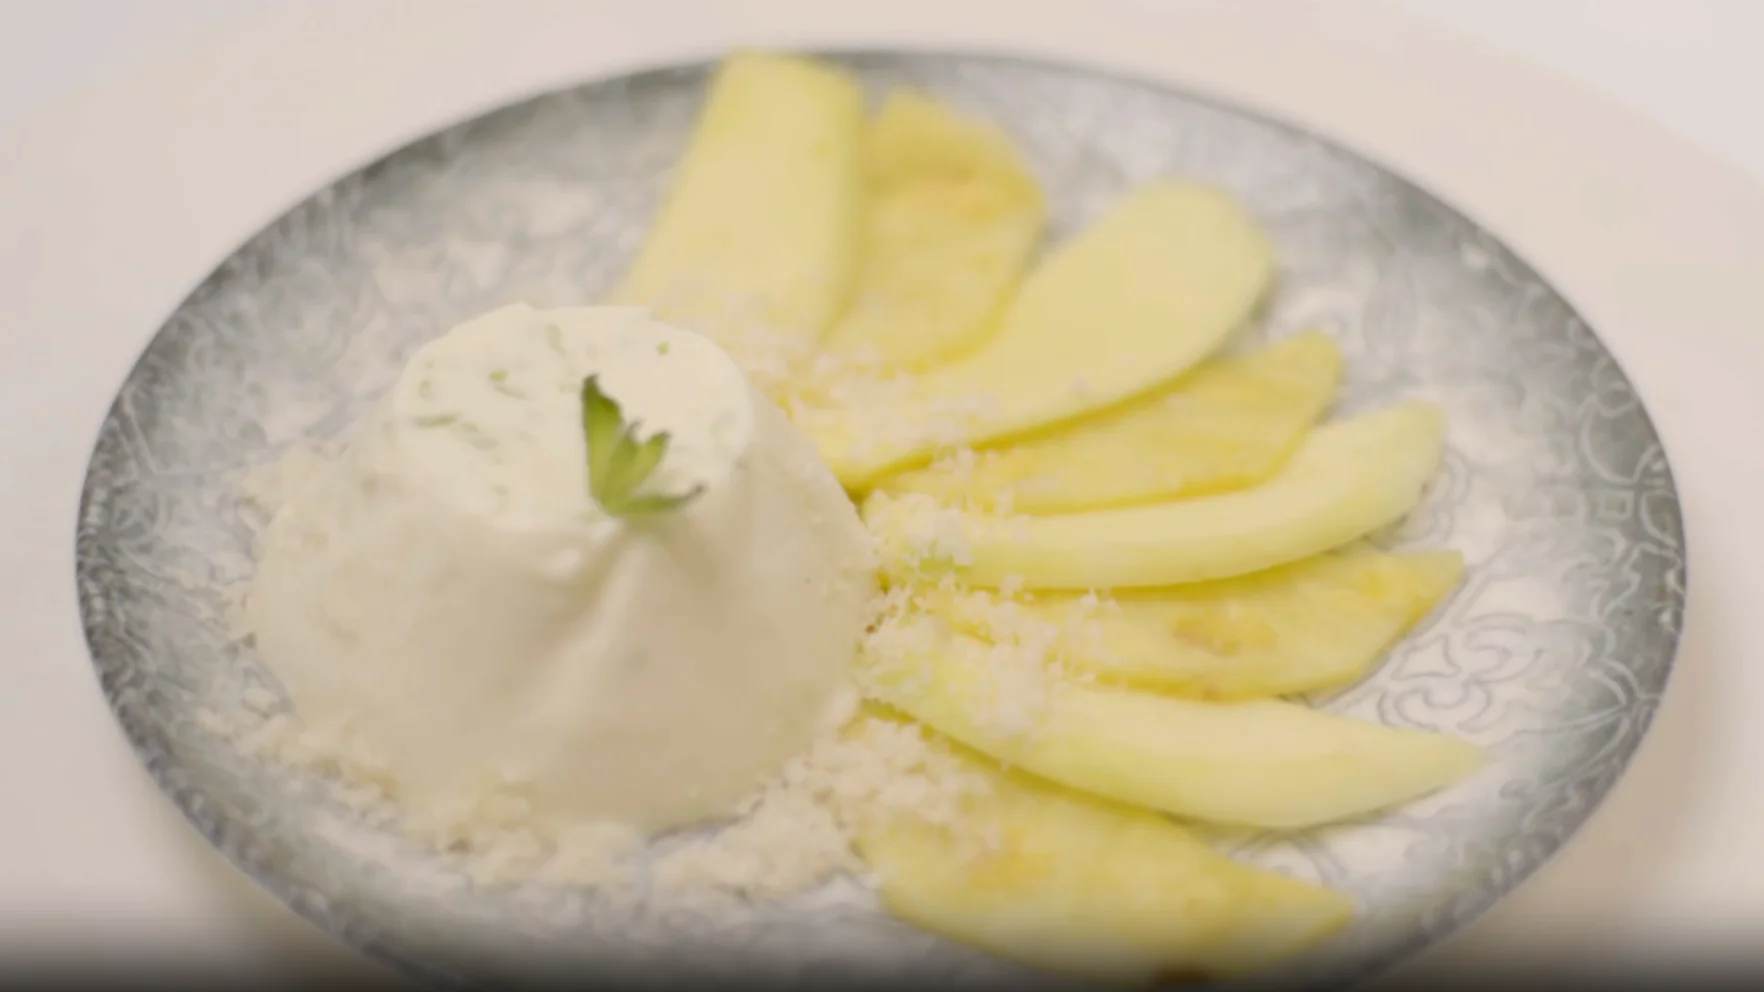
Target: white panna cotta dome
449,593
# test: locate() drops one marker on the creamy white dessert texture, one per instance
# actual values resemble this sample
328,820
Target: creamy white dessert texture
448,592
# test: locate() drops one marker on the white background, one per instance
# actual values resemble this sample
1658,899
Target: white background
1672,862
1696,66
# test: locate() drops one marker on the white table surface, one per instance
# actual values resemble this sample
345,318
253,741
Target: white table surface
140,141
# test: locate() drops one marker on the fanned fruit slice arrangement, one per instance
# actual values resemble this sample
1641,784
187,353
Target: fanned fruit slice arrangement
1115,556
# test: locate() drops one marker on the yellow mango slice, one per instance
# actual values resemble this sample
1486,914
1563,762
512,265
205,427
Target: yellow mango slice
760,226
1316,624
1347,480
1256,763
952,218
1228,424
1138,299
1089,888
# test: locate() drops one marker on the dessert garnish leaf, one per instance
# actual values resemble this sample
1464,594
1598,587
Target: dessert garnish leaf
618,463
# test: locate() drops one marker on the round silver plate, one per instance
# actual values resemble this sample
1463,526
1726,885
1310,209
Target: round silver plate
1552,655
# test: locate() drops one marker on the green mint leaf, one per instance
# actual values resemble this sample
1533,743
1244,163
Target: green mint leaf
643,459
603,424
627,472
642,506
619,464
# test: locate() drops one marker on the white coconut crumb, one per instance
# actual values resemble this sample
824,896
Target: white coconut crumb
1081,629
853,400
1027,647
495,839
269,487
784,842
264,490
1021,654
597,855
1075,626
793,836
959,465
213,723
800,831
917,530
236,611
1013,700
487,832
334,749
258,699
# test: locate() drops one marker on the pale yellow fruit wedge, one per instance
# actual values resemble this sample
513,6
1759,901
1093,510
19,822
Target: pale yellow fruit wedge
1316,624
1138,299
1091,889
760,227
1228,424
952,218
1348,479
1256,763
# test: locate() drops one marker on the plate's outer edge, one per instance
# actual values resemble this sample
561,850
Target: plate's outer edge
1602,511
